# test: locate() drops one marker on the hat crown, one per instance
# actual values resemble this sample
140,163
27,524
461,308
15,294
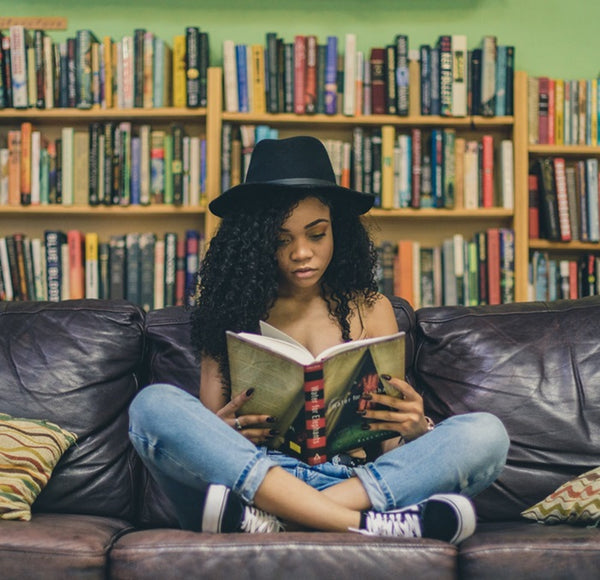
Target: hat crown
296,158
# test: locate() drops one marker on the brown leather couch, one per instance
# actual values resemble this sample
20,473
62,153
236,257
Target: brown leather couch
79,363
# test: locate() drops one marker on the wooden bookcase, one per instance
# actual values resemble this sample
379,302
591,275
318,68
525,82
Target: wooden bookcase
429,226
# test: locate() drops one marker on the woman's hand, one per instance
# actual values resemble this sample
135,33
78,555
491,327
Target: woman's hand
253,427
403,414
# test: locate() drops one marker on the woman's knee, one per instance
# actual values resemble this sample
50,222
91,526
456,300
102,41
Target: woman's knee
151,402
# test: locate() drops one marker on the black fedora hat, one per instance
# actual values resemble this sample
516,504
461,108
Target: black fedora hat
286,165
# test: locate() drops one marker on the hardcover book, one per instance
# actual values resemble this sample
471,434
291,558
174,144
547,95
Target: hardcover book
317,405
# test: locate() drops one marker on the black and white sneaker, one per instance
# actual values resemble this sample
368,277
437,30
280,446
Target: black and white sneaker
448,517
224,512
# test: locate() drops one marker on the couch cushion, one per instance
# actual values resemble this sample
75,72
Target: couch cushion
58,546
534,365
299,555
528,550
76,363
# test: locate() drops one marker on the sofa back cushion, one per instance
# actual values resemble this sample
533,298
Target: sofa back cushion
76,363
534,365
171,359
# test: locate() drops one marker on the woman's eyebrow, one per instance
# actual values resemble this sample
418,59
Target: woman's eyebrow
308,226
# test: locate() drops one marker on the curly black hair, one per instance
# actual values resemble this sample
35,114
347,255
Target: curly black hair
238,277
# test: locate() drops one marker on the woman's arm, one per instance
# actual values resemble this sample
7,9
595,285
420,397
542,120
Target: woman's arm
380,319
214,393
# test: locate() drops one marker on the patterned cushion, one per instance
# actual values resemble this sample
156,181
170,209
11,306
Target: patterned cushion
29,451
574,502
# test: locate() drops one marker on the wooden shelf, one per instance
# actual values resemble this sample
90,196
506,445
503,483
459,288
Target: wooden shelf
85,115
564,149
105,211
574,246
375,120
429,213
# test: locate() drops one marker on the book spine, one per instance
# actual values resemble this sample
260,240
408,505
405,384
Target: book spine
425,78
310,92
92,286
487,185
242,78
52,243
26,131
488,76
377,64
445,48
18,60
402,78
300,62
331,76
192,66
390,80
179,71
170,269
560,183
314,414
459,75
350,75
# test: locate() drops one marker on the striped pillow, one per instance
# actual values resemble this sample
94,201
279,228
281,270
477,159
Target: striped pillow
29,451
575,502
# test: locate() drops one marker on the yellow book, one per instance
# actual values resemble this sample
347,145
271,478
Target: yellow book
179,72
259,100
31,77
81,182
107,55
91,265
559,112
388,136
459,172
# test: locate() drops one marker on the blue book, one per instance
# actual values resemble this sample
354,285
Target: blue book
202,166
136,159
331,76
44,177
262,132
434,64
53,240
242,76
425,56
437,168
501,81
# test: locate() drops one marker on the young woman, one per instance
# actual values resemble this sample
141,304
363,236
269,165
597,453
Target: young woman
292,250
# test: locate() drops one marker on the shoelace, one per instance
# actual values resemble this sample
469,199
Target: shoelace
256,521
401,523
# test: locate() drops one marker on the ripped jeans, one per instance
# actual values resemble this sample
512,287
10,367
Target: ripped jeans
186,447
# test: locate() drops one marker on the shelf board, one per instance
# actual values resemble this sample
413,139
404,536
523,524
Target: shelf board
459,213
74,115
563,246
112,211
564,149
376,120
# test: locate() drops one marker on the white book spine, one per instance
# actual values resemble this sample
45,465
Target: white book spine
471,191
128,71
507,169
49,76
159,274
36,256
459,75
18,64
145,164
5,270
194,171
4,156
350,75
67,135
230,77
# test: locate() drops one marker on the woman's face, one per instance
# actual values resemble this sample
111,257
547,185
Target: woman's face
305,245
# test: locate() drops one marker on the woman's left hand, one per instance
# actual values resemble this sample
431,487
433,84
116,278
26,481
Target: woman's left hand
403,414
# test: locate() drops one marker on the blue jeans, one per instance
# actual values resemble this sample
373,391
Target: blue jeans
186,447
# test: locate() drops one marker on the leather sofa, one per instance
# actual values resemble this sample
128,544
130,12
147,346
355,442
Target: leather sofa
79,363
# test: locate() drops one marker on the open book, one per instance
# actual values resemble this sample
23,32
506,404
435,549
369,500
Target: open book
314,399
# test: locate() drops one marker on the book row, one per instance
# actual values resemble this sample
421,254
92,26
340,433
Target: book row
420,168
111,163
138,267
139,70
461,271
552,278
563,199
562,111
306,76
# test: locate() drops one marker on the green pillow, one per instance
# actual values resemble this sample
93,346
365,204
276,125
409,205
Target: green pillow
29,451
574,502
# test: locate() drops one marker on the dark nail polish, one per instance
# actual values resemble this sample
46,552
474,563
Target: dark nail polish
271,419
366,397
274,432
386,377
249,392
361,413
365,427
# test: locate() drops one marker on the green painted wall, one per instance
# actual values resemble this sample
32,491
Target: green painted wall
552,37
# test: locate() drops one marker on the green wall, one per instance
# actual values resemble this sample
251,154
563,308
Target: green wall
552,37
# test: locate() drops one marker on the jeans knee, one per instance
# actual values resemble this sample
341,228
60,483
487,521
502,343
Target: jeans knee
488,434
148,403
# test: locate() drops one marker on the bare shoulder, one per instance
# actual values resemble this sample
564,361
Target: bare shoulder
379,317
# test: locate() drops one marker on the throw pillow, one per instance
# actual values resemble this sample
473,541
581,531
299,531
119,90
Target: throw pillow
29,451
574,502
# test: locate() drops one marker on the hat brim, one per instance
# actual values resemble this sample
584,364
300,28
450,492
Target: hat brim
240,195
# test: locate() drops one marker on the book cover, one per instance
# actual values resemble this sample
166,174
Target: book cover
25,164
310,85
377,66
446,82
459,75
562,201
331,76
76,243
488,76
92,284
192,66
549,223
19,41
349,83
402,77
343,373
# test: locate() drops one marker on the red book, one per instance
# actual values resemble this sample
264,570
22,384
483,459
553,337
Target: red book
534,208
573,279
299,74
377,63
560,184
26,130
487,166
180,272
310,89
551,111
314,414
403,271
493,264
76,244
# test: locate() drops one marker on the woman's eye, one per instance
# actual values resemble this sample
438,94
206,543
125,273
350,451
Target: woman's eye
282,241
317,236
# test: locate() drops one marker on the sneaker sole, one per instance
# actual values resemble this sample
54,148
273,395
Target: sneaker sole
461,509
215,503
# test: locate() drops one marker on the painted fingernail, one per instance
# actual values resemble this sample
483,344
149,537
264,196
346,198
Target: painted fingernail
274,432
271,419
249,392
365,427
361,413
366,397
386,377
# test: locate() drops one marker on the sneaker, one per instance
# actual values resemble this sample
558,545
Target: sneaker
448,517
224,512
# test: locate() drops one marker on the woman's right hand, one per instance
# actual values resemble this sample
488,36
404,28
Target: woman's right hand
256,428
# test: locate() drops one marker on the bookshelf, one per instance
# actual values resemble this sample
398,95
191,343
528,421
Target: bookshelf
429,226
